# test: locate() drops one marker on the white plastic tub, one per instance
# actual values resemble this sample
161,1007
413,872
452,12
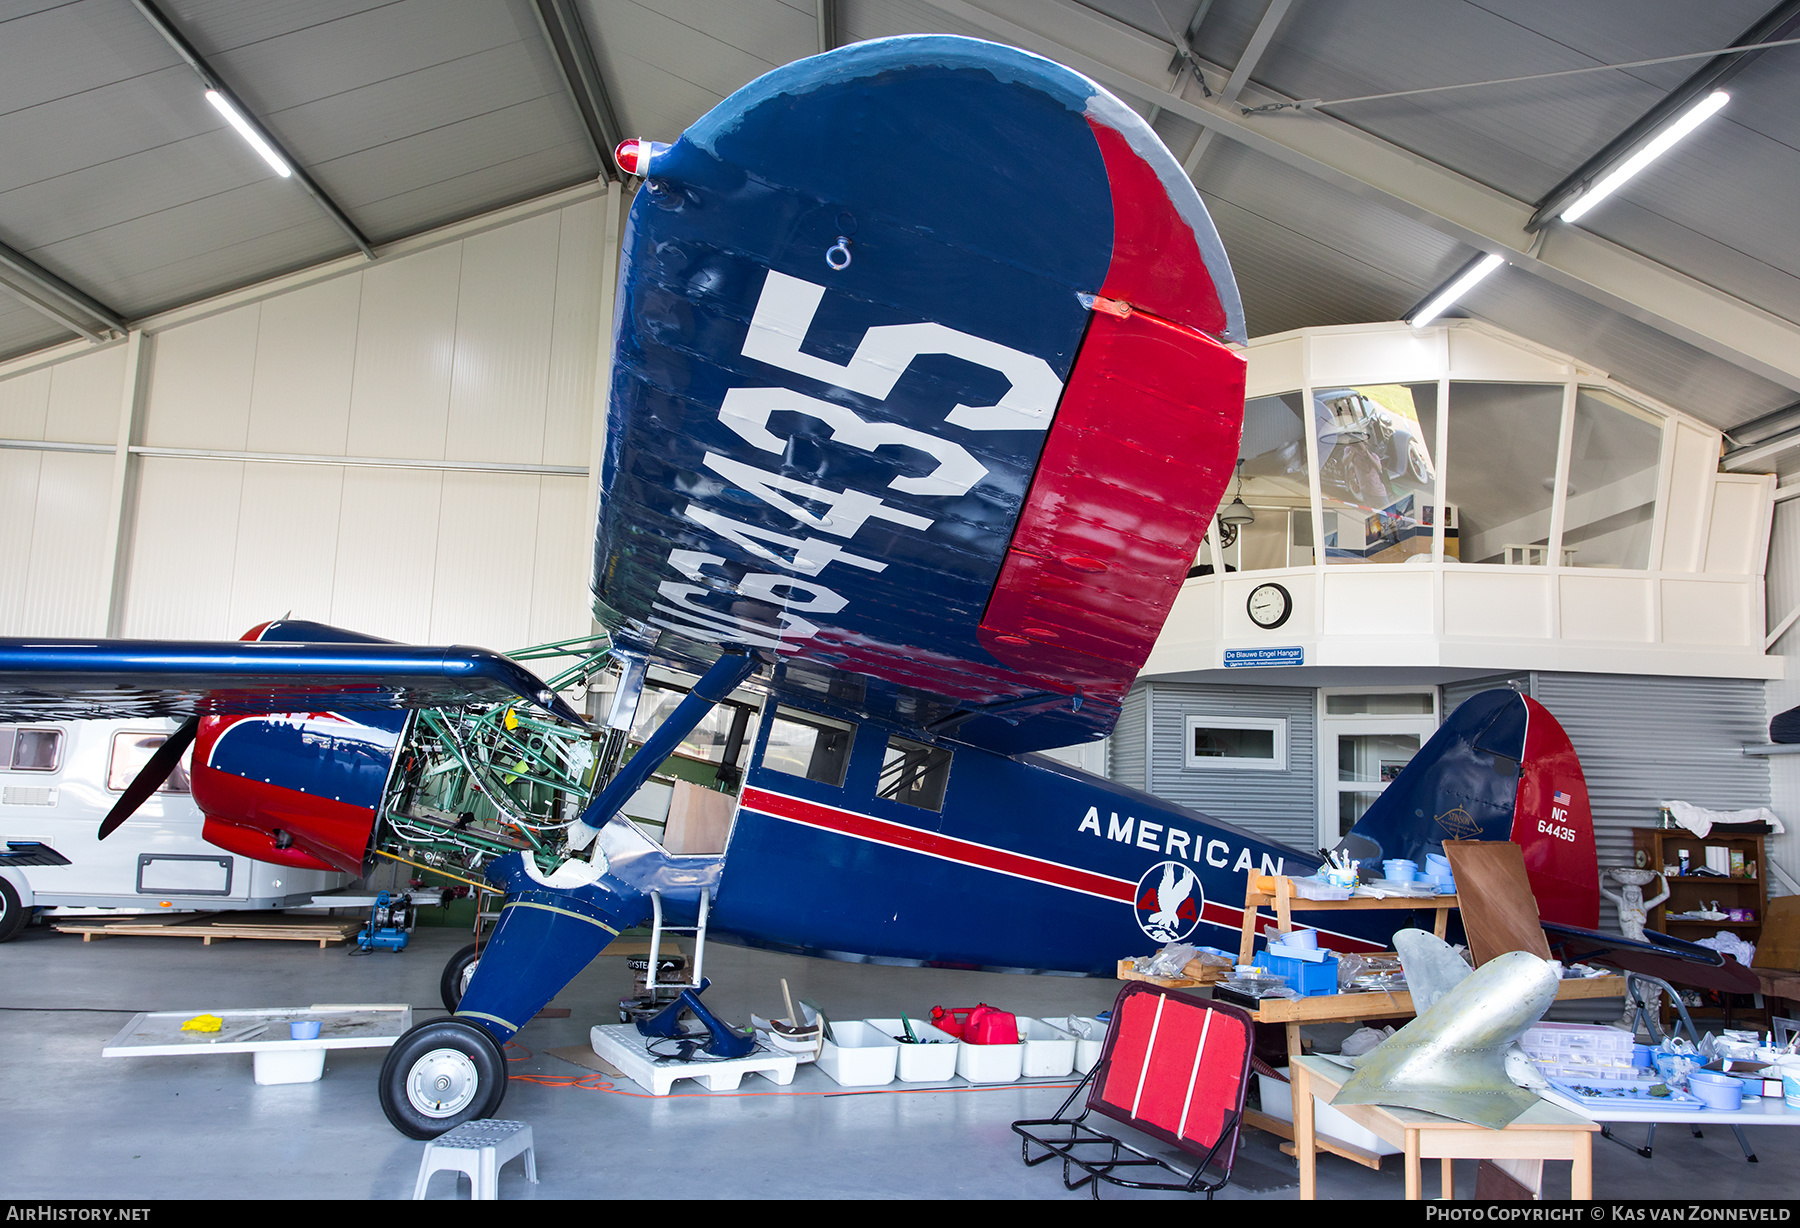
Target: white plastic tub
1049,1051
990,1063
861,1056
1278,1101
1089,1034
931,1063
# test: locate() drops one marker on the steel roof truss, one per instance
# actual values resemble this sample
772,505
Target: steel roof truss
212,81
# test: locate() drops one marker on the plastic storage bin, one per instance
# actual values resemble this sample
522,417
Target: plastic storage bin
1582,1052
990,1063
1278,1102
1049,1051
1090,1037
920,1063
861,1056
1304,977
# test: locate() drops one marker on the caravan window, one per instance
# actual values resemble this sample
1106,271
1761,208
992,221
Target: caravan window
131,751
35,750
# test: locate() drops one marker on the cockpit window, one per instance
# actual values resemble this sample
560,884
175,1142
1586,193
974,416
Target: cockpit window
815,747
914,773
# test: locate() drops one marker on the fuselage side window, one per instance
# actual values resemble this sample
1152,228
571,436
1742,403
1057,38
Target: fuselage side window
815,747
914,773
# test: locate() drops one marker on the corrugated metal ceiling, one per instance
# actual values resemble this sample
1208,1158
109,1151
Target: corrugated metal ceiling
118,178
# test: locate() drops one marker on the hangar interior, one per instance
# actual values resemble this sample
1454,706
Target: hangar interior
372,392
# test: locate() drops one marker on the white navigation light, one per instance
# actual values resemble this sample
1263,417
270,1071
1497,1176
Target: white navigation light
223,106
1665,140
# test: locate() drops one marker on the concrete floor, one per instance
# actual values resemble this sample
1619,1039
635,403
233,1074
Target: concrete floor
84,1126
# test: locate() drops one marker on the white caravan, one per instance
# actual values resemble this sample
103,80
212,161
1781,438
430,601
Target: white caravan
58,780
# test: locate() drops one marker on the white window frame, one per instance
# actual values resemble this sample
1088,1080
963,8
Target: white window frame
1275,724
1329,727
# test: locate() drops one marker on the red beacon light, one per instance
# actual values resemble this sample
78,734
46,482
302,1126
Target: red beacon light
636,155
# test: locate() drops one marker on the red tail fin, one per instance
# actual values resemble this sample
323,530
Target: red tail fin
1555,827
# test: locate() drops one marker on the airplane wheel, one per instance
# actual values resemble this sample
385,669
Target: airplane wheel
12,912
457,974
441,1074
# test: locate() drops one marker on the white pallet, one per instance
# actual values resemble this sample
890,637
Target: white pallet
628,1049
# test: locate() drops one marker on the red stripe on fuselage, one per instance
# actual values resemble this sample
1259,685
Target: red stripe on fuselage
898,835
1001,861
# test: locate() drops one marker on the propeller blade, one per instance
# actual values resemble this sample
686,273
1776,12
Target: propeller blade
151,778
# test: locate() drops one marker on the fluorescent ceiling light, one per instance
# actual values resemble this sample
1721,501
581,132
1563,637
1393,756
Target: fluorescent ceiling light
1462,284
1665,140
224,107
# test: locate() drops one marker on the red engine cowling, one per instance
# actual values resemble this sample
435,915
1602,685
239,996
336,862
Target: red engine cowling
297,789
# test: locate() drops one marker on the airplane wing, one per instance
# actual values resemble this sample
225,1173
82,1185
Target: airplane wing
1675,960
295,666
920,391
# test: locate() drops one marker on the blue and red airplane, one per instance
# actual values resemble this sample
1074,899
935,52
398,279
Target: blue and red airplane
923,397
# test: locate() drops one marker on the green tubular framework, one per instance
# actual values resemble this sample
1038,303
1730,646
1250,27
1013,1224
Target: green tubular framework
474,783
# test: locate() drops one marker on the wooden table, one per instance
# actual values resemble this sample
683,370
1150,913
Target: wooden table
1543,1132
1345,1007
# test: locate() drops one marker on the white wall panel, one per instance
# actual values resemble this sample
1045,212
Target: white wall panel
183,544
200,382
287,544
406,335
577,333
1690,498
504,313
18,512
481,349
305,359
1379,600
560,574
1736,539
1477,355
387,553
1497,604
84,397
1611,608
1385,355
485,555
1695,612
25,404
1274,368
63,591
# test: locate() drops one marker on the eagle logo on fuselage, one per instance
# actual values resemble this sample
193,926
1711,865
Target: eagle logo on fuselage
1169,900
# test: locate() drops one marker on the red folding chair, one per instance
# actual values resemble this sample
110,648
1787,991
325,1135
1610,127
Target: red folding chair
1175,1067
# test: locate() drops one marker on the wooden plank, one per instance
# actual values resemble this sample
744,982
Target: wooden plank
1779,948
1499,912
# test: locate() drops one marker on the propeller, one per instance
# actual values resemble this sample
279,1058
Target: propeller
151,778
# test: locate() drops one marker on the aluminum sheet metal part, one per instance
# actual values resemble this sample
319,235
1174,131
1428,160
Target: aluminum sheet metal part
1451,1060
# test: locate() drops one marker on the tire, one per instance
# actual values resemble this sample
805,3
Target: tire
457,972
441,1074
13,914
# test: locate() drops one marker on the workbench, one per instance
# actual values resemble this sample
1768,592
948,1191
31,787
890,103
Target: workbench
1268,891
1278,893
263,1032
1545,1131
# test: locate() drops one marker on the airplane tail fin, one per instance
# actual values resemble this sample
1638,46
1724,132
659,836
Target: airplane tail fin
1500,768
